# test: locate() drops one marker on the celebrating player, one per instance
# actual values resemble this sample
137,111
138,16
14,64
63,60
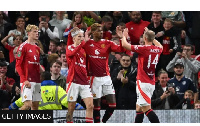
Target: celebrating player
148,56
98,50
77,76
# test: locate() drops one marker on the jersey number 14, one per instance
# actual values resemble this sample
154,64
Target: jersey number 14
155,61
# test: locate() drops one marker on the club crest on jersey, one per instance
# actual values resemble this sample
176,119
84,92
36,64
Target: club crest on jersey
94,95
19,54
71,98
184,82
25,97
103,45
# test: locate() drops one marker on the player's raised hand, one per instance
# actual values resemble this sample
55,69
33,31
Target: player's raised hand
119,31
87,35
145,29
125,32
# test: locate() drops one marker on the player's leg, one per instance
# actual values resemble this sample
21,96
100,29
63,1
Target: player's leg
144,94
72,95
96,88
35,105
69,116
89,109
109,92
153,118
87,97
27,105
36,95
111,107
96,110
139,114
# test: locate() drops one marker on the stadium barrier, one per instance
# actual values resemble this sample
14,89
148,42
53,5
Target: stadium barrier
128,116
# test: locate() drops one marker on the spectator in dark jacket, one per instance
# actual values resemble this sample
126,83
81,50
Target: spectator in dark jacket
164,96
124,78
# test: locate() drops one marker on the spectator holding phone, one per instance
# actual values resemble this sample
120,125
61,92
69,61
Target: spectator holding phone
46,31
164,96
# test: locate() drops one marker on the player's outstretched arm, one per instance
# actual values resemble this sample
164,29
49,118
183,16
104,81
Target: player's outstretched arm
125,44
157,43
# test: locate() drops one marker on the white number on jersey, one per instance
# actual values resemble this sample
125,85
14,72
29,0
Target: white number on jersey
155,61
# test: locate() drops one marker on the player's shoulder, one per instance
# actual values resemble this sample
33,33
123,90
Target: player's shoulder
23,45
70,47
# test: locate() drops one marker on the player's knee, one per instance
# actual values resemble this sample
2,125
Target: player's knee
27,105
90,106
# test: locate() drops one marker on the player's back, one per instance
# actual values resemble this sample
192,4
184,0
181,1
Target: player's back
148,57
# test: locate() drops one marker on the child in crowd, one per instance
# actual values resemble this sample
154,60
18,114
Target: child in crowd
187,102
17,40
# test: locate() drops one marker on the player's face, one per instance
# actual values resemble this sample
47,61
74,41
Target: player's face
98,33
188,95
125,61
163,78
167,25
178,70
136,16
55,69
78,38
78,18
156,17
33,34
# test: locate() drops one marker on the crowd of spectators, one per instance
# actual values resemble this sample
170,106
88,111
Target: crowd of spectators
177,72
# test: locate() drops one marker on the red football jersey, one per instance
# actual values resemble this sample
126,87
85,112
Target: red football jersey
148,57
76,59
27,62
136,30
166,45
97,56
11,55
107,35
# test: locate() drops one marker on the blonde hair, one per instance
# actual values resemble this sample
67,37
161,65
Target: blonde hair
30,27
75,31
149,35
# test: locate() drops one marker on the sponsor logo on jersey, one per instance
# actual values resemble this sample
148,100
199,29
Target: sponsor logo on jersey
19,54
103,46
30,50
